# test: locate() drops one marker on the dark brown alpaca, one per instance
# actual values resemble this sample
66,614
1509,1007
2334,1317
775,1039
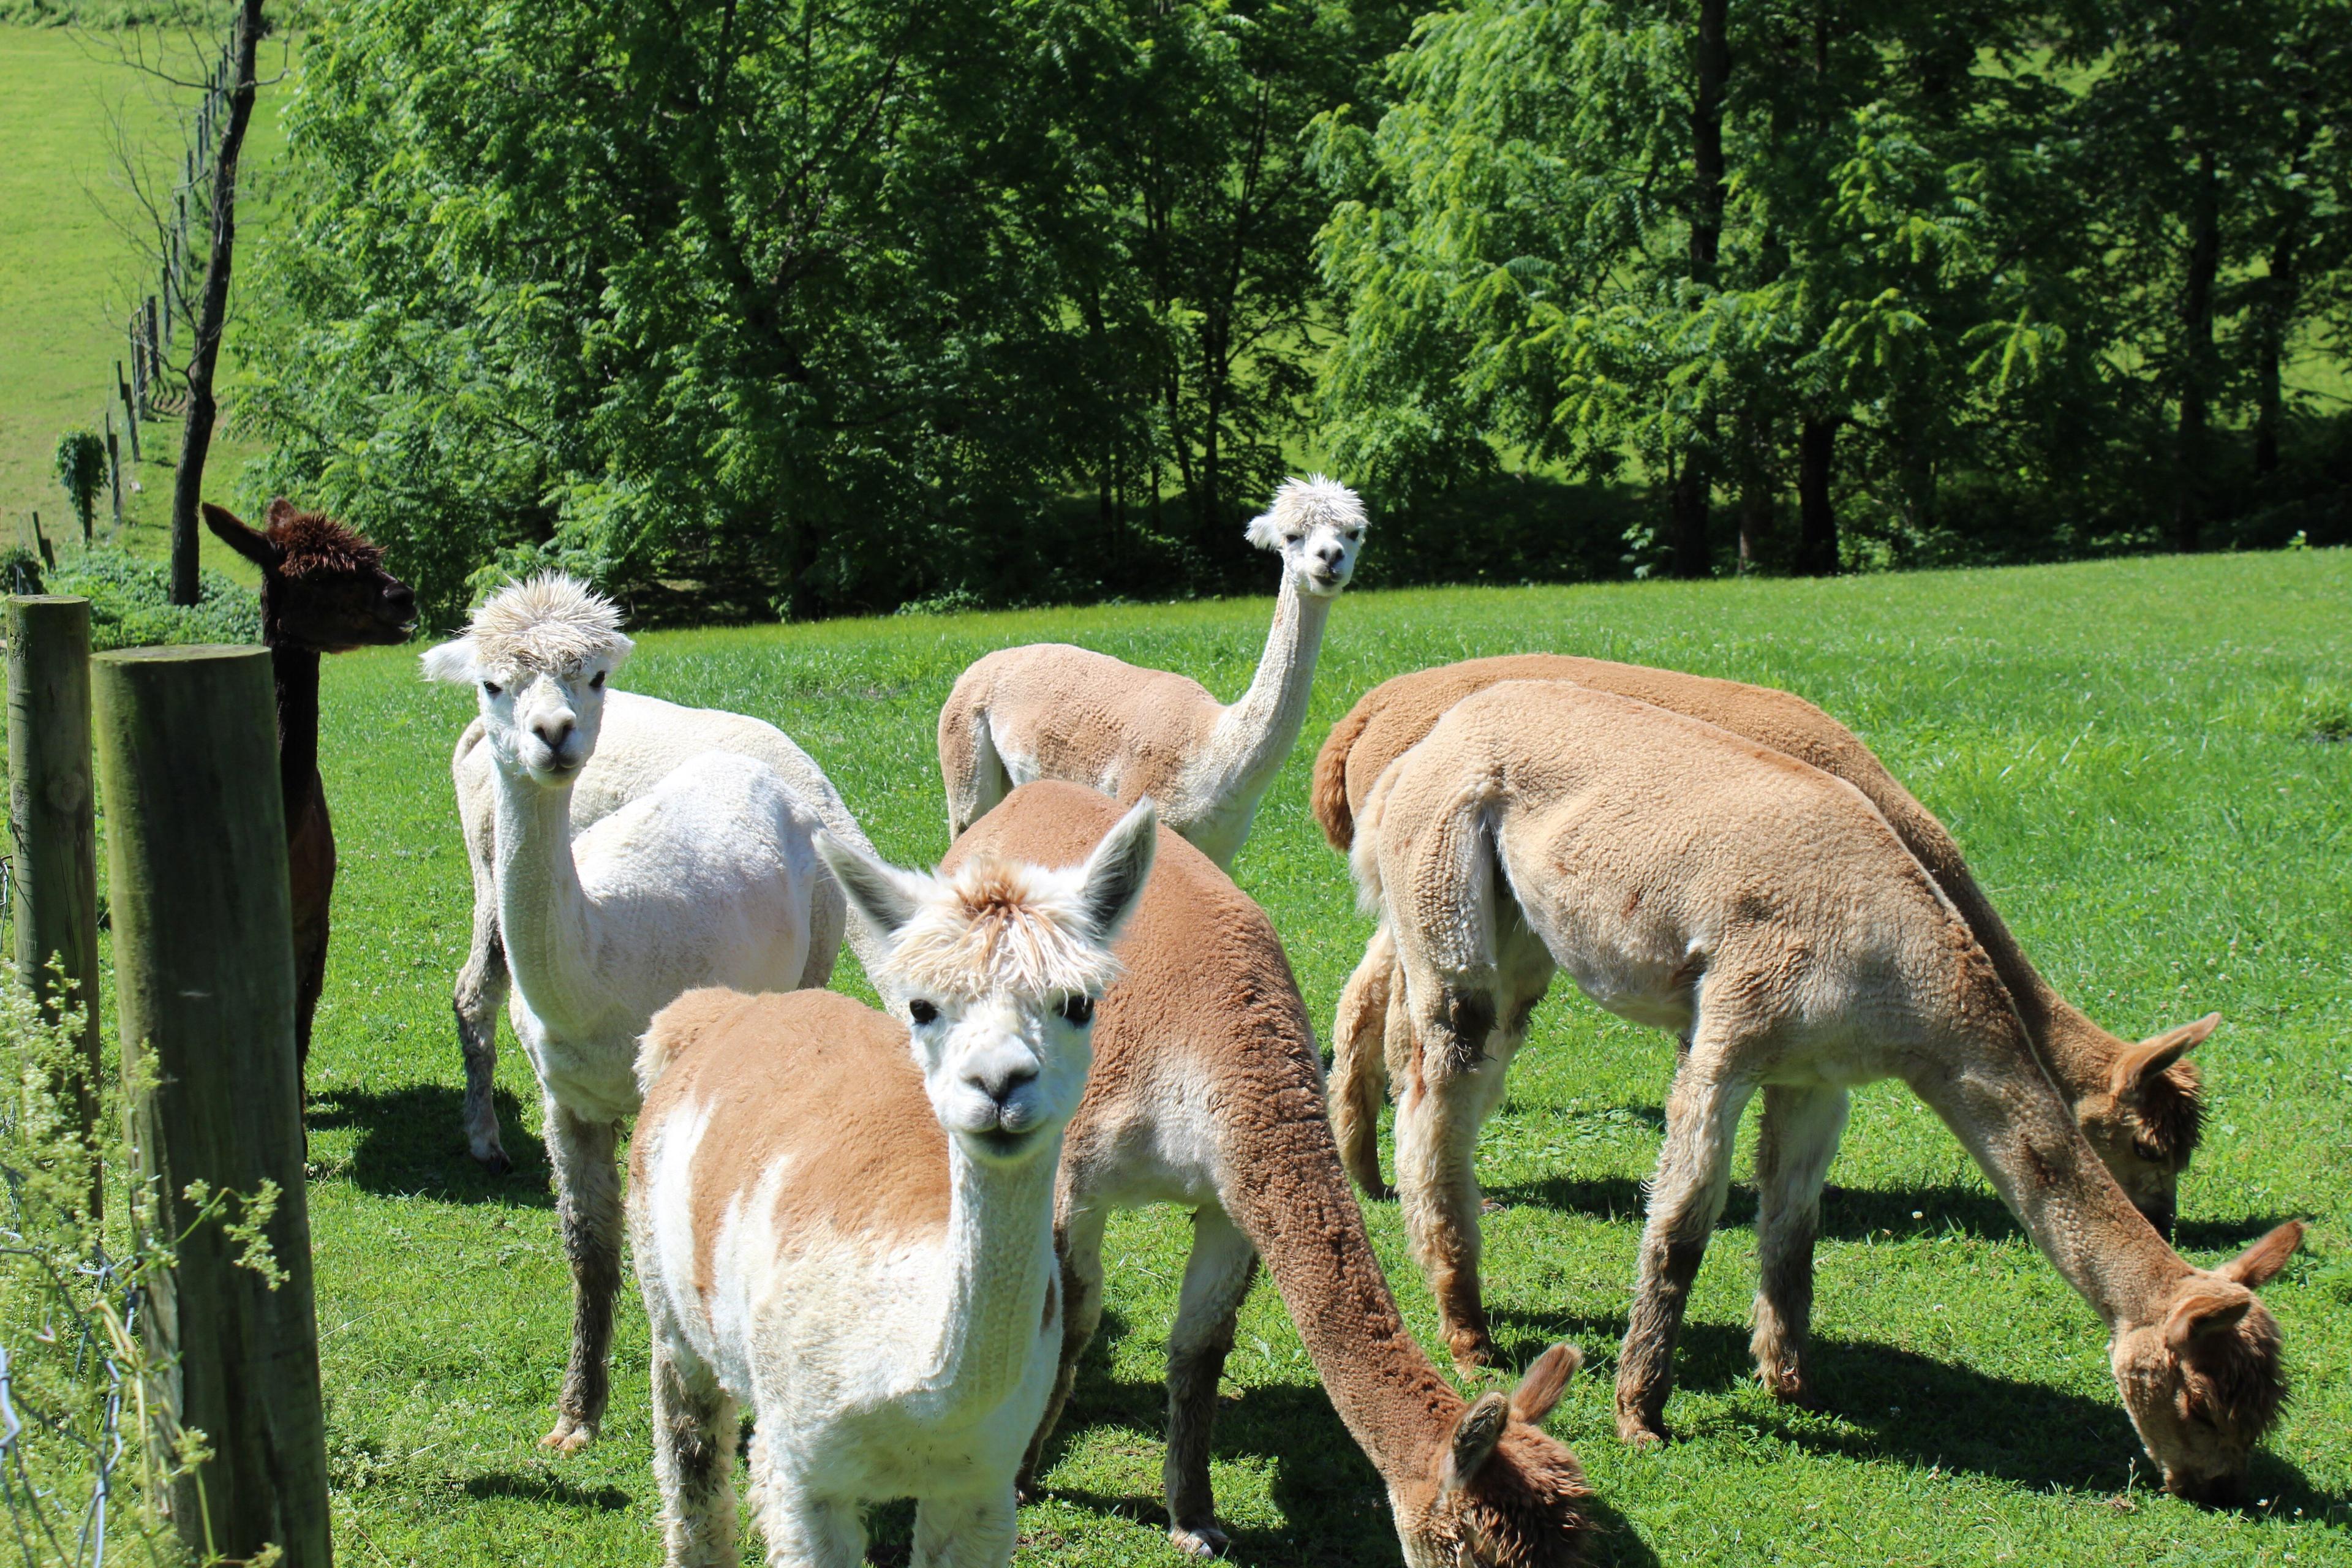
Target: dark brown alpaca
323,590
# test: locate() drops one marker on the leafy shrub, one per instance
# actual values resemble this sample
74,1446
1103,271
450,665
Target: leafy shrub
130,603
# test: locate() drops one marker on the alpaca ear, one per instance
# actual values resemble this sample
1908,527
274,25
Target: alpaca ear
1473,1440
884,897
1541,1389
234,533
2258,1264
1265,531
279,510
623,647
1111,884
2152,1055
454,662
2206,1310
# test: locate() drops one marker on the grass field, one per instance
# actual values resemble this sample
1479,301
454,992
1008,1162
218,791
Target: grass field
2128,752
68,275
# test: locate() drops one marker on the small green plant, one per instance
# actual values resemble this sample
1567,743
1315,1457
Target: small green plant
81,467
20,571
130,603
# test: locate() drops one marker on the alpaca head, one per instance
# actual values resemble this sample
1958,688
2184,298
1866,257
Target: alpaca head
2145,1123
1499,1493
1318,524
2202,1381
996,969
538,655
324,587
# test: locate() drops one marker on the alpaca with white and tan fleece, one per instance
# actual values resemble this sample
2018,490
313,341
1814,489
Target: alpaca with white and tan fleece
709,878
1054,711
1766,914
843,1218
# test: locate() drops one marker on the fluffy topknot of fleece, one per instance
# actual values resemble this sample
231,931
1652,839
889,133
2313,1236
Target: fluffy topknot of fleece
1304,504
311,541
550,623
994,925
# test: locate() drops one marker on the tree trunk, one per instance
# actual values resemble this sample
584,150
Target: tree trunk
2195,353
212,312
2276,313
1755,492
1688,503
1694,480
1817,532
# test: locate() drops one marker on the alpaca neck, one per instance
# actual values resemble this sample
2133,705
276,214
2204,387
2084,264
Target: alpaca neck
294,672
543,912
998,1269
1253,736
1296,1207
2025,1139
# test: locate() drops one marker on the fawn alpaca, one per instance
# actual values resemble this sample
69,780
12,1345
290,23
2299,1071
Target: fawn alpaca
323,590
1054,711
2137,1103
710,878
1767,914
1207,1093
847,1220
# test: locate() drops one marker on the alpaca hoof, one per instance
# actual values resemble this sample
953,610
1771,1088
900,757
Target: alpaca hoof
495,1162
1473,1353
571,1434
1636,1431
1795,1391
1199,1540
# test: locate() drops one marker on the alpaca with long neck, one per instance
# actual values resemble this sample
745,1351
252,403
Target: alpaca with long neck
843,1218
1053,711
2136,1102
1766,914
1207,1093
640,741
709,878
323,590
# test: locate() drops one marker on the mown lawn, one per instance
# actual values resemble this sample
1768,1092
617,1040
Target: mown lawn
2130,751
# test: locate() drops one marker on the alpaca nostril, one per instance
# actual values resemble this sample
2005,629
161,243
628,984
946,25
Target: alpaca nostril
553,736
1004,1086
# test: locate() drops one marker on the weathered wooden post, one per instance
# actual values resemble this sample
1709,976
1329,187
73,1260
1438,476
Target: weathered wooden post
204,964
113,474
130,410
53,816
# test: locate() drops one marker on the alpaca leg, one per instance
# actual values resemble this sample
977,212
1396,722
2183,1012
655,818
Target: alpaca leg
802,1530
1359,1077
1216,1278
1077,1241
973,771
965,1531
481,990
694,1458
1686,1195
588,1207
828,922
1797,1137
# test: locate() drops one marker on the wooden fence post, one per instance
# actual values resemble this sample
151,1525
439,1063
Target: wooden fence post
53,816
204,964
114,474
130,410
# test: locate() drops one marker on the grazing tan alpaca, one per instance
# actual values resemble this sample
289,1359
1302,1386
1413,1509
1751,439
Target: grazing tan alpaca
2138,1104
1054,711
1765,913
1207,1093
845,1219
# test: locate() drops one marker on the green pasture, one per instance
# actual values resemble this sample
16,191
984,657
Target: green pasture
70,273
2135,755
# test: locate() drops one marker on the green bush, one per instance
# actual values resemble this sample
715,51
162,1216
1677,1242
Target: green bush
130,603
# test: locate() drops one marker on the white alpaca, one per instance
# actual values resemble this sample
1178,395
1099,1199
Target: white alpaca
1054,711
642,740
847,1219
710,878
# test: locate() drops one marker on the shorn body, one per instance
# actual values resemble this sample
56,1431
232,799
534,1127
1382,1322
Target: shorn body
2137,1103
843,1219
1207,1094
1053,711
641,741
1766,915
710,878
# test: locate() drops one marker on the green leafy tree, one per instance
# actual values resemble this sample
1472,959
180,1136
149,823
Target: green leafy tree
79,465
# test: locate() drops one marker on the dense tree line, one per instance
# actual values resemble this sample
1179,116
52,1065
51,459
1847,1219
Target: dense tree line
778,307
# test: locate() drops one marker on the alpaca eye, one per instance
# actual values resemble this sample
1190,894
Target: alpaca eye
596,681
1080,1010
922,1012
490,689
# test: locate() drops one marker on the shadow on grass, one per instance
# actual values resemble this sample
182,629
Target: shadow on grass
534,1485
412,1141
1855,1214
1333,1501
1880,1402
